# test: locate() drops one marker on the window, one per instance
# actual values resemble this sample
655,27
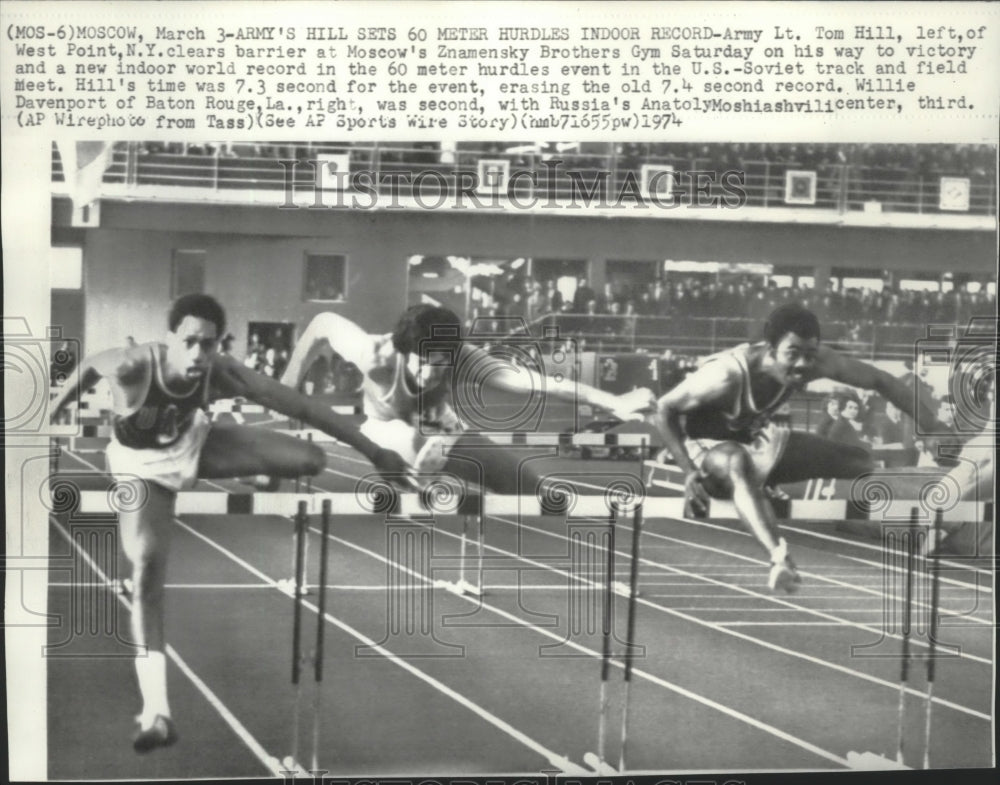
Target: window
918,285
325,277
188,273
875,284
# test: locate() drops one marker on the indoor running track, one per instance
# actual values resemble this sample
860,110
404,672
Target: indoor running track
421,681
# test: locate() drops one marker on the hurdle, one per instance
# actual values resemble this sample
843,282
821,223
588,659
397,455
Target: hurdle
398,503
904,666
316,656
511,439
597,761
239,406
308,480
935,568
630,631
98,428
872,761
297,657
669,477
462,586
607,630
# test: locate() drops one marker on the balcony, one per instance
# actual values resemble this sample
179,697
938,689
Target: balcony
839,193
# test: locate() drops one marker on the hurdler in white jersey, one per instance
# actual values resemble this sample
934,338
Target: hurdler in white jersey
409,385
721,425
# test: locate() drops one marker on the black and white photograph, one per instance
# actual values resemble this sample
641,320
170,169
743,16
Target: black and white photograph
339,447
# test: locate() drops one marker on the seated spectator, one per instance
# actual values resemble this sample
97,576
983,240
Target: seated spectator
848,429
888,427
829,418
918,383
946,411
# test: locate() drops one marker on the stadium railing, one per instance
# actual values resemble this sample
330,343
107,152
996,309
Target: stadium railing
840,188
704,335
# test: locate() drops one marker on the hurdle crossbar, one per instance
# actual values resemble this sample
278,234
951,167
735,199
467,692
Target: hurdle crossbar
98,429
238,407
402,504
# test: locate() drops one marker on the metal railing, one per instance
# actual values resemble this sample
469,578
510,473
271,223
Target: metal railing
428,171
703,335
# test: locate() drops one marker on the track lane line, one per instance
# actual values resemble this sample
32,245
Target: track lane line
552,757
479,602
269,762
698,580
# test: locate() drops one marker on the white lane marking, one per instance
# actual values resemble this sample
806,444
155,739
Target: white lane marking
269,762
553,758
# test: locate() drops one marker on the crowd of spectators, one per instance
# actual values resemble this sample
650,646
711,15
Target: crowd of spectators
744,298
863,419
268,355
609,316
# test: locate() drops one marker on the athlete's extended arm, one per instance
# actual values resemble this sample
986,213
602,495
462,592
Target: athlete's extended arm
506,376
710,385
230,379
327,330
841,368
120,365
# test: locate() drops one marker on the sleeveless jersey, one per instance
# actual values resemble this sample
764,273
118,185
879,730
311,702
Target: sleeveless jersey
402,400
745,420
164,416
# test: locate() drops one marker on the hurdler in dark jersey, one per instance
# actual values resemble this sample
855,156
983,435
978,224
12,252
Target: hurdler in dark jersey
164,414
163,444
743,421
721,425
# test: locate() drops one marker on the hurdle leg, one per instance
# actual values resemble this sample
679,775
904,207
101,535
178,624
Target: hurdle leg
607,624
630,634
301,520
932,636
309,437
463,544
291,585
904,669
481,543
320,630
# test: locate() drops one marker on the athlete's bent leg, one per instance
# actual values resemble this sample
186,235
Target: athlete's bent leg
502,469
974,476
808,457
729,471
238,451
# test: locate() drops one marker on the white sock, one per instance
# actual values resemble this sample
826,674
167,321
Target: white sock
151,671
